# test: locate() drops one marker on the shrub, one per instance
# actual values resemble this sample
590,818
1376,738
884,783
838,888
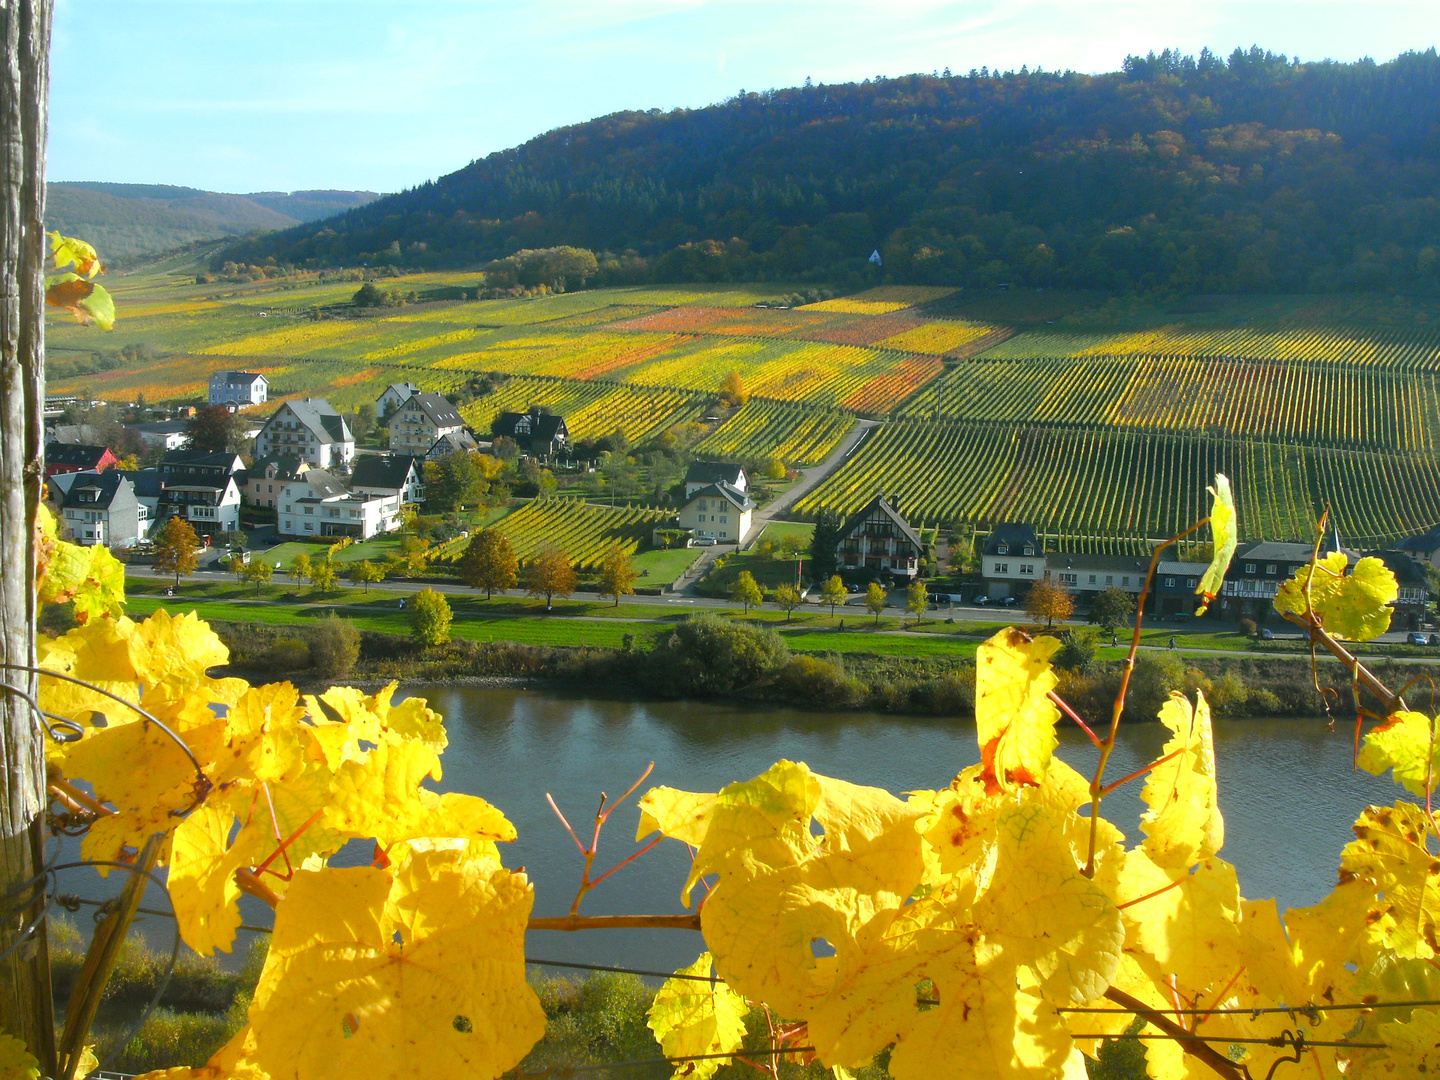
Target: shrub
430,618
285,654
334,646
1155,676
1078,649
709,655
950,694
1249,628
809,680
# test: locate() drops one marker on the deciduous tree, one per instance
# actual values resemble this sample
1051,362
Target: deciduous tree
322,576
1112,608
745,590
1050,602
550,575
177,548
366,573
876,600
258,572
732,389
430,618
833,592
299,568
787,599
917,599
215,429
489,562
617,574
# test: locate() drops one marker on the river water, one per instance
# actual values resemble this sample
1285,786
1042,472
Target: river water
1286,788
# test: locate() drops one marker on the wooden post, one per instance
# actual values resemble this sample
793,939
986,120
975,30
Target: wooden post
26,1010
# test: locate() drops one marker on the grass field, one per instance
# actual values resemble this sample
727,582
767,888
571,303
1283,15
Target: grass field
1100,419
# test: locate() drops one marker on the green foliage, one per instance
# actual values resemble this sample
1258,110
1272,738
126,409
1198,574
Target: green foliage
430,618
876,600
833,592
745,590
1078,649
787,599
917,599
334,646
823,542
1112,608
706,654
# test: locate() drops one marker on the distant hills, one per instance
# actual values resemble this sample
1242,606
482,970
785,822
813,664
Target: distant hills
1177,174
133,219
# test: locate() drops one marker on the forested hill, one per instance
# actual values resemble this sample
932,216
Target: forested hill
131,219
1182,174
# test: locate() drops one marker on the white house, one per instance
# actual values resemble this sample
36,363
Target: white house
878,540
264,479
101,508
166,434
393,396
719,511
317,504
310,430
704,473
238,388
382,475
201,487
1011,559
420,421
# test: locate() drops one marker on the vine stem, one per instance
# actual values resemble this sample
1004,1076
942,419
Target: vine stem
616,922
1192,1045
1097,790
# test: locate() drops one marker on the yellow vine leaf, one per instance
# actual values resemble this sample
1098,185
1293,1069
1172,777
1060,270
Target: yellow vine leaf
1354,606
781,887
16,1062
1183,823
369,974
373,717
1405,743
381,797
75,256
1014,719
202,879
1412,1048
90,577
1188,924
87,301
691,1016
1224,536
264,736
1389,854
682,815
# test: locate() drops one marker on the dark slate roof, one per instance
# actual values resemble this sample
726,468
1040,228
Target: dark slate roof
543,426
383,471
285,466
242,378
1015,535
105,485
1105,564
146,481
883,505
452,442
322,484
1284,551
437,409
321,418
404,389
1422,543
214,459
712,472
729,492
160,427
80,454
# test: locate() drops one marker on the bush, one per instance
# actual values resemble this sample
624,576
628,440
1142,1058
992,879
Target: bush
951,694
1249,628
1155,676
334,646
285,654
1078,649
808,680
709,655
430,618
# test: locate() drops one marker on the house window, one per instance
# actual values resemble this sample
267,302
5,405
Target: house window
1191,582
1029,549
723,534
309,526
1169,583
1249,568
309,510
1027,568
1003,549
1125,580
1068,579
1270,568
1109,579
1002,568
1092,579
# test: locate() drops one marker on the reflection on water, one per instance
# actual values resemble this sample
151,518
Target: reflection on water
1287,790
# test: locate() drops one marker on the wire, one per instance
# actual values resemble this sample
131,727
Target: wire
66,899
1298,1010
623,970
1298,1041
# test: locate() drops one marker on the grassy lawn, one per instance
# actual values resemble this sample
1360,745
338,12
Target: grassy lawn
663,566
778,530
374,550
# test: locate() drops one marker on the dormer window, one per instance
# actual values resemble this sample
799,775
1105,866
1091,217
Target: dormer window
1003,549
1029,549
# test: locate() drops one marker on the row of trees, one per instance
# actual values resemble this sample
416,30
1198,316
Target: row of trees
490,563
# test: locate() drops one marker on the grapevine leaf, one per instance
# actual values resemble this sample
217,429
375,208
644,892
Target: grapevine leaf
381,797
1014,719
1354,606
264,736
1389,854
1403,743
781,888
1411,1049
1224,535
1183,823
1183,924
87,301
91,577
683,815
202,879
74,255
16,1062
691,1016
368,974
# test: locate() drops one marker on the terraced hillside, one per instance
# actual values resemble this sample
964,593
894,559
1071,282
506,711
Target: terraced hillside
1095,420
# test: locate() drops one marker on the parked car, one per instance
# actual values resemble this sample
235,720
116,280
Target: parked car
1267,635
1414,638
704,541
1009,601
982,600
1434,639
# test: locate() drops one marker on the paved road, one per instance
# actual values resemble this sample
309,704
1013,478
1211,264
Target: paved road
809,479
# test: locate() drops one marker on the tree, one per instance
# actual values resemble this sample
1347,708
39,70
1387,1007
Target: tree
257,571
299,568
362,420
334,646
1050,602
617,574
787,599
823,542
366,573
1112,608
368,295
745,590
454,482
177,548
215,429
322,576
833,592
706,654
876,600
550,575
415,551
732,389
489,562
917,599
430,618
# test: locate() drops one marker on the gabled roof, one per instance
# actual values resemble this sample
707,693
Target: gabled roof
241,378
160,427
103,486
1422,543
712,472
543,426
277,467
1283,551
320,417
1014,535
453,442
146,481
1078,560
729,492
391,471
79,454
404,389
209,459
436,407
322,484
883,505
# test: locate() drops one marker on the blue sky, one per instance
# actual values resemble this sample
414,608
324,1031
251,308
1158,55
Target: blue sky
256,95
